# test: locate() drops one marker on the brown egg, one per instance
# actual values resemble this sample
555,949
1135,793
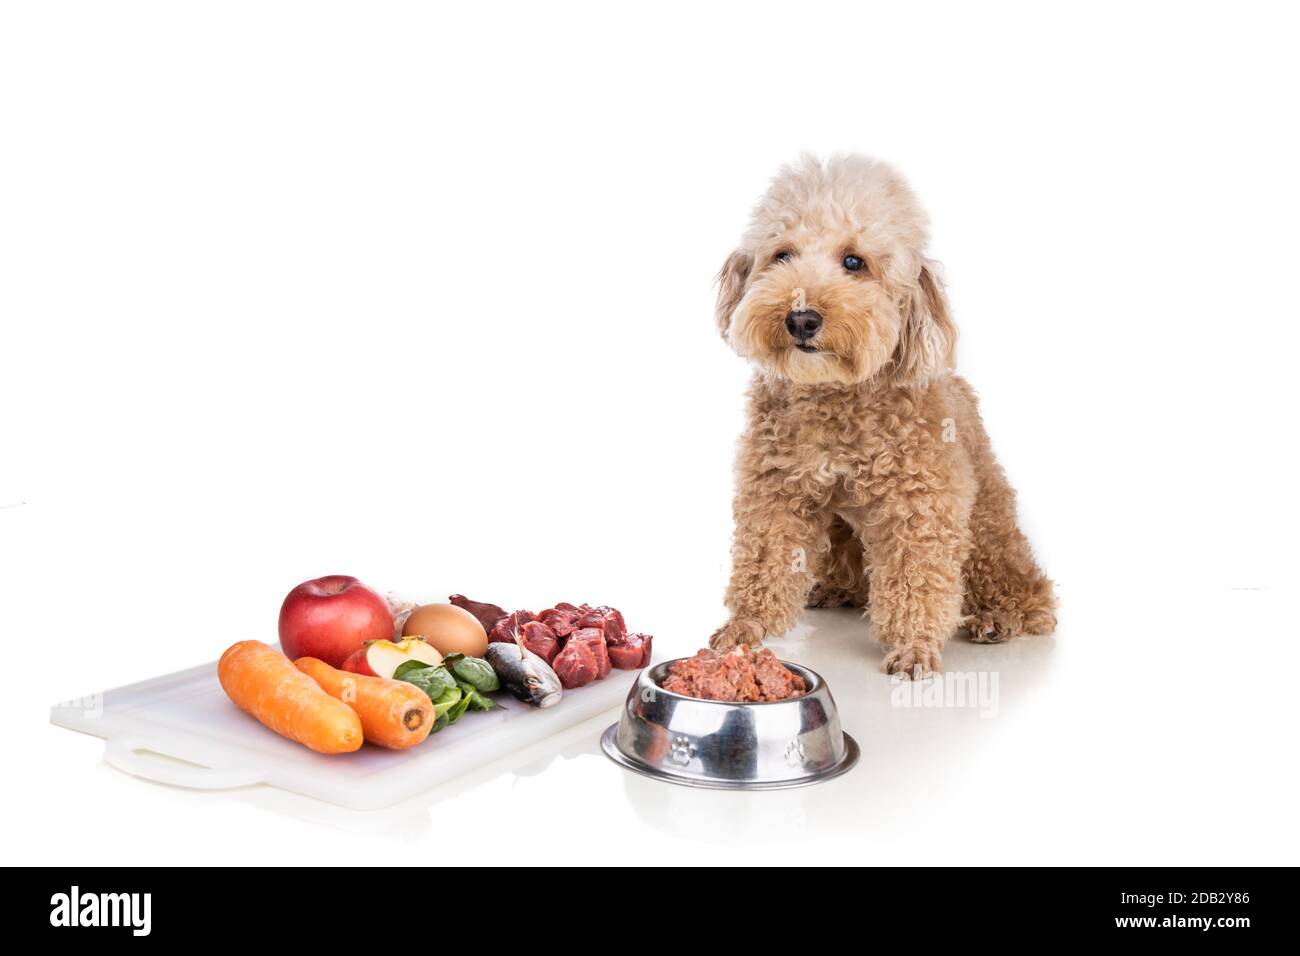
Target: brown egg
448,628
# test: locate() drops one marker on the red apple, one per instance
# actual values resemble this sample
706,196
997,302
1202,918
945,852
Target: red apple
332,617
382,658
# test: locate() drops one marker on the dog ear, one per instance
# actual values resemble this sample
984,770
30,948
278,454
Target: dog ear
731,288
927,341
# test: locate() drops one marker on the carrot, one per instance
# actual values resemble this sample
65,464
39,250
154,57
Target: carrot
262,682
394,714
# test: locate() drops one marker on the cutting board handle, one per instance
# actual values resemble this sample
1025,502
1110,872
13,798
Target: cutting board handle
133,755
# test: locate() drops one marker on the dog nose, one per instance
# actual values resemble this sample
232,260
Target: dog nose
803,325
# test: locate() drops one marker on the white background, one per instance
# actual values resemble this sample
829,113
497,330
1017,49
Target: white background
421,293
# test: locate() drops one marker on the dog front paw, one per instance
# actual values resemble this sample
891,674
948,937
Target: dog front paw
913,661
736,631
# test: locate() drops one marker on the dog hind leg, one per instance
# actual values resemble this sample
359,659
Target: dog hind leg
1006,594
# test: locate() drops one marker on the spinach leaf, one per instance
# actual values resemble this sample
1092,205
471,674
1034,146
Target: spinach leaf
434,681
474,671
457,709
451,693
448,699
406,667
476,700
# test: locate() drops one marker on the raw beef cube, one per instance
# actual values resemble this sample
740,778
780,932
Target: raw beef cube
540,639
609,620
576,665
595,640
507,629
647,642
625,657
633,653
562,619
615,627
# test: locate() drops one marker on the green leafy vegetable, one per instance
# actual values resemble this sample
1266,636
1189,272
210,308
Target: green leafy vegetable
456,685
457,709
448,707
434,681
476,701
406,667
447,700
473,670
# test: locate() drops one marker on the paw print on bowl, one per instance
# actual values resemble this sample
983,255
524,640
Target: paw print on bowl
683,751
794,754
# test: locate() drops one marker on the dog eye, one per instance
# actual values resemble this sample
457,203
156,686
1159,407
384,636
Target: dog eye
783,255
853,263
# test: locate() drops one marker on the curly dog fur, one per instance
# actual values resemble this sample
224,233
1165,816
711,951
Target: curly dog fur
865,477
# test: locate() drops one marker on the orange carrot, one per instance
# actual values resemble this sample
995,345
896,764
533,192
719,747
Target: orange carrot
394,714
262,682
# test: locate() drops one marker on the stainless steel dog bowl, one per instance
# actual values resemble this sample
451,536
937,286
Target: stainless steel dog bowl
711,743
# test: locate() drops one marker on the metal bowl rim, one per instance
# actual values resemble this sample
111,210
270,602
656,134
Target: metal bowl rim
814,681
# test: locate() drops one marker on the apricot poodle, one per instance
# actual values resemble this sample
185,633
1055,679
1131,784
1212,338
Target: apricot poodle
865,477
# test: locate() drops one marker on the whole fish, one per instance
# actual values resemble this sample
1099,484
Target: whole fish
524,674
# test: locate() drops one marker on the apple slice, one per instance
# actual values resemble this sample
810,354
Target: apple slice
382,658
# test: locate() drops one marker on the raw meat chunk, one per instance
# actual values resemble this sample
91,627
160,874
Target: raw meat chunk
581,643
507,629
595,640
633,653
487,614
540,639
608,619
562,619
576,665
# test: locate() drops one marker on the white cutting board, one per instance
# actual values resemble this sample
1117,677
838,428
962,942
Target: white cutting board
188,717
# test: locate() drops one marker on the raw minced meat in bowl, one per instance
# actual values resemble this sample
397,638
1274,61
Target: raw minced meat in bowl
742,675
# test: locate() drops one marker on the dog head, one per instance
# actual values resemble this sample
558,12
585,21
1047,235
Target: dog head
830,284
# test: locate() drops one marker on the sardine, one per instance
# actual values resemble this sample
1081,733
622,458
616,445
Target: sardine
525,675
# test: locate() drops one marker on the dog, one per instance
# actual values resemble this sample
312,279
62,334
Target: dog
864,477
